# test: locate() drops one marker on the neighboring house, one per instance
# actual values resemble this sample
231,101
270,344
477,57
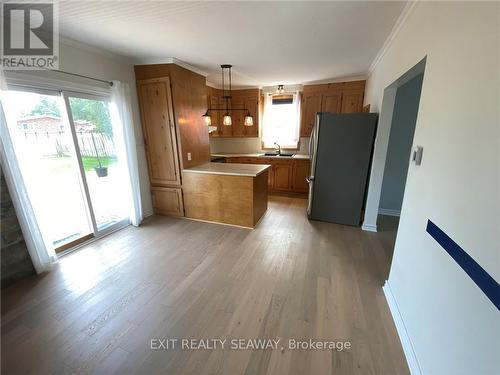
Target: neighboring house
50,124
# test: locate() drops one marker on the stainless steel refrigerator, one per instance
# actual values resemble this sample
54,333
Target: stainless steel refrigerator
341,148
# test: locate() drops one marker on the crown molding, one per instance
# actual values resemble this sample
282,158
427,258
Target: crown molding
170,60
87,47
403,17
349,78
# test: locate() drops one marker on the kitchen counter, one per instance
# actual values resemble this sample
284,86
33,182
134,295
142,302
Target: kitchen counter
260,155
233,194
249,170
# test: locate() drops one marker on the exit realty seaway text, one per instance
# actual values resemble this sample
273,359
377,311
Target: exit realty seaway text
247,344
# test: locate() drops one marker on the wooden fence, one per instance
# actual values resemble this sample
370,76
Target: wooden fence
60,144
90,143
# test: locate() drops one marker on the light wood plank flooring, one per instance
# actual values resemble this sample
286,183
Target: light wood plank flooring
176,278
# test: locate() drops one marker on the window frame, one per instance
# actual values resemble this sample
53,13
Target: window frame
64,89
297,147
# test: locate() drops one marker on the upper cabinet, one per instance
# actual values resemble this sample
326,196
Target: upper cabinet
343,97
186,101
249,99
331,102
311,104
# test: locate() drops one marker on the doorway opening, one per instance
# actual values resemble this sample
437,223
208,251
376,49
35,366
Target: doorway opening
65,148
399,149
393,148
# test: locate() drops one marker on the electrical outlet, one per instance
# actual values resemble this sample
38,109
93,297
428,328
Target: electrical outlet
189,156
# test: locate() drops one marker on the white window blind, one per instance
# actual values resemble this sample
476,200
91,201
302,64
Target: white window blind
281,123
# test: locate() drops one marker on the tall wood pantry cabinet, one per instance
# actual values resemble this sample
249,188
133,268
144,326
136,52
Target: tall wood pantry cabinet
172,100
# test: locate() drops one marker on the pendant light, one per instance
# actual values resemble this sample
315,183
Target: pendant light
226,96
207,118
248,119
226,120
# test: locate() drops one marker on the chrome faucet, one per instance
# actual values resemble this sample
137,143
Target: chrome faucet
279,148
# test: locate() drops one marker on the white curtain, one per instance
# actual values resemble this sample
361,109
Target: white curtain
41,257
121,115
281,123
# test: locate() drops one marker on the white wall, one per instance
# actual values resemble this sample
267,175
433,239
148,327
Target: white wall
453,327
80,59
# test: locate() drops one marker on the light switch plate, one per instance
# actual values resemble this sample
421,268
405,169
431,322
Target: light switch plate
189,156
416,156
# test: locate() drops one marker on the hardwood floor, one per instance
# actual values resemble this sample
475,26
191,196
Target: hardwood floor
174,278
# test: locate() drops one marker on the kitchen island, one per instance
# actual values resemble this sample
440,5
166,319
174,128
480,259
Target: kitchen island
226,193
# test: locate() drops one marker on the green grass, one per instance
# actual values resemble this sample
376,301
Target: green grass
59,164
89,162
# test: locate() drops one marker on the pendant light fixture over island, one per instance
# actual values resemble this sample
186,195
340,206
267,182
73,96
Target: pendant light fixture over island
226,96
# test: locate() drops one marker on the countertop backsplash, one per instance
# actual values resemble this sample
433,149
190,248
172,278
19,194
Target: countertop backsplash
248,145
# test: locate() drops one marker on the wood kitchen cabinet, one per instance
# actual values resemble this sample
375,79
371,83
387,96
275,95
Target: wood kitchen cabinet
159,131
252,103
282,176
285,175
238,129
311,104
216,116
249,99
301,170
352,102
342,97
167,201
331,102
172,100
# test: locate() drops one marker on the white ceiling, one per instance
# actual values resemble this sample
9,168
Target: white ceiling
267,42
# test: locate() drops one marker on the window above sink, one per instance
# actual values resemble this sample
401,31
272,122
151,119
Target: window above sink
281,123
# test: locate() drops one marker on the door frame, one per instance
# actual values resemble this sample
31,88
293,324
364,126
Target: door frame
67,115
381,145
66,94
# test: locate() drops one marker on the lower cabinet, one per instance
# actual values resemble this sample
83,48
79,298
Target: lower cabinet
167,201
282,176
301,170
285,175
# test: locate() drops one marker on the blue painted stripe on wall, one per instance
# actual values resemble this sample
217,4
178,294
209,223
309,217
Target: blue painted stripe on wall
482,278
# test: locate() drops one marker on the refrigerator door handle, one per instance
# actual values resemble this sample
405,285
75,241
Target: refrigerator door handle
313,145
310,142
309,200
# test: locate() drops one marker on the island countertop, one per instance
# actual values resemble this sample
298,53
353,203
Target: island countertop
249,170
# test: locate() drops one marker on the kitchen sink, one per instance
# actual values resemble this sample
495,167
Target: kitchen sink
275,154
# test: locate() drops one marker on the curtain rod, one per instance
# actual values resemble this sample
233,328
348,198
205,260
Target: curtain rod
82,76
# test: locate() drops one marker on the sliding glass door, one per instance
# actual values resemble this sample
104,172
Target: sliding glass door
97,149
66,151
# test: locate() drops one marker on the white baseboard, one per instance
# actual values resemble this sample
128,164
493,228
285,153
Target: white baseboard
369,227
389,212
410,355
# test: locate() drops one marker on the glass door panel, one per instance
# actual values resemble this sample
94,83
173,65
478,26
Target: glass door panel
47,160
105,174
